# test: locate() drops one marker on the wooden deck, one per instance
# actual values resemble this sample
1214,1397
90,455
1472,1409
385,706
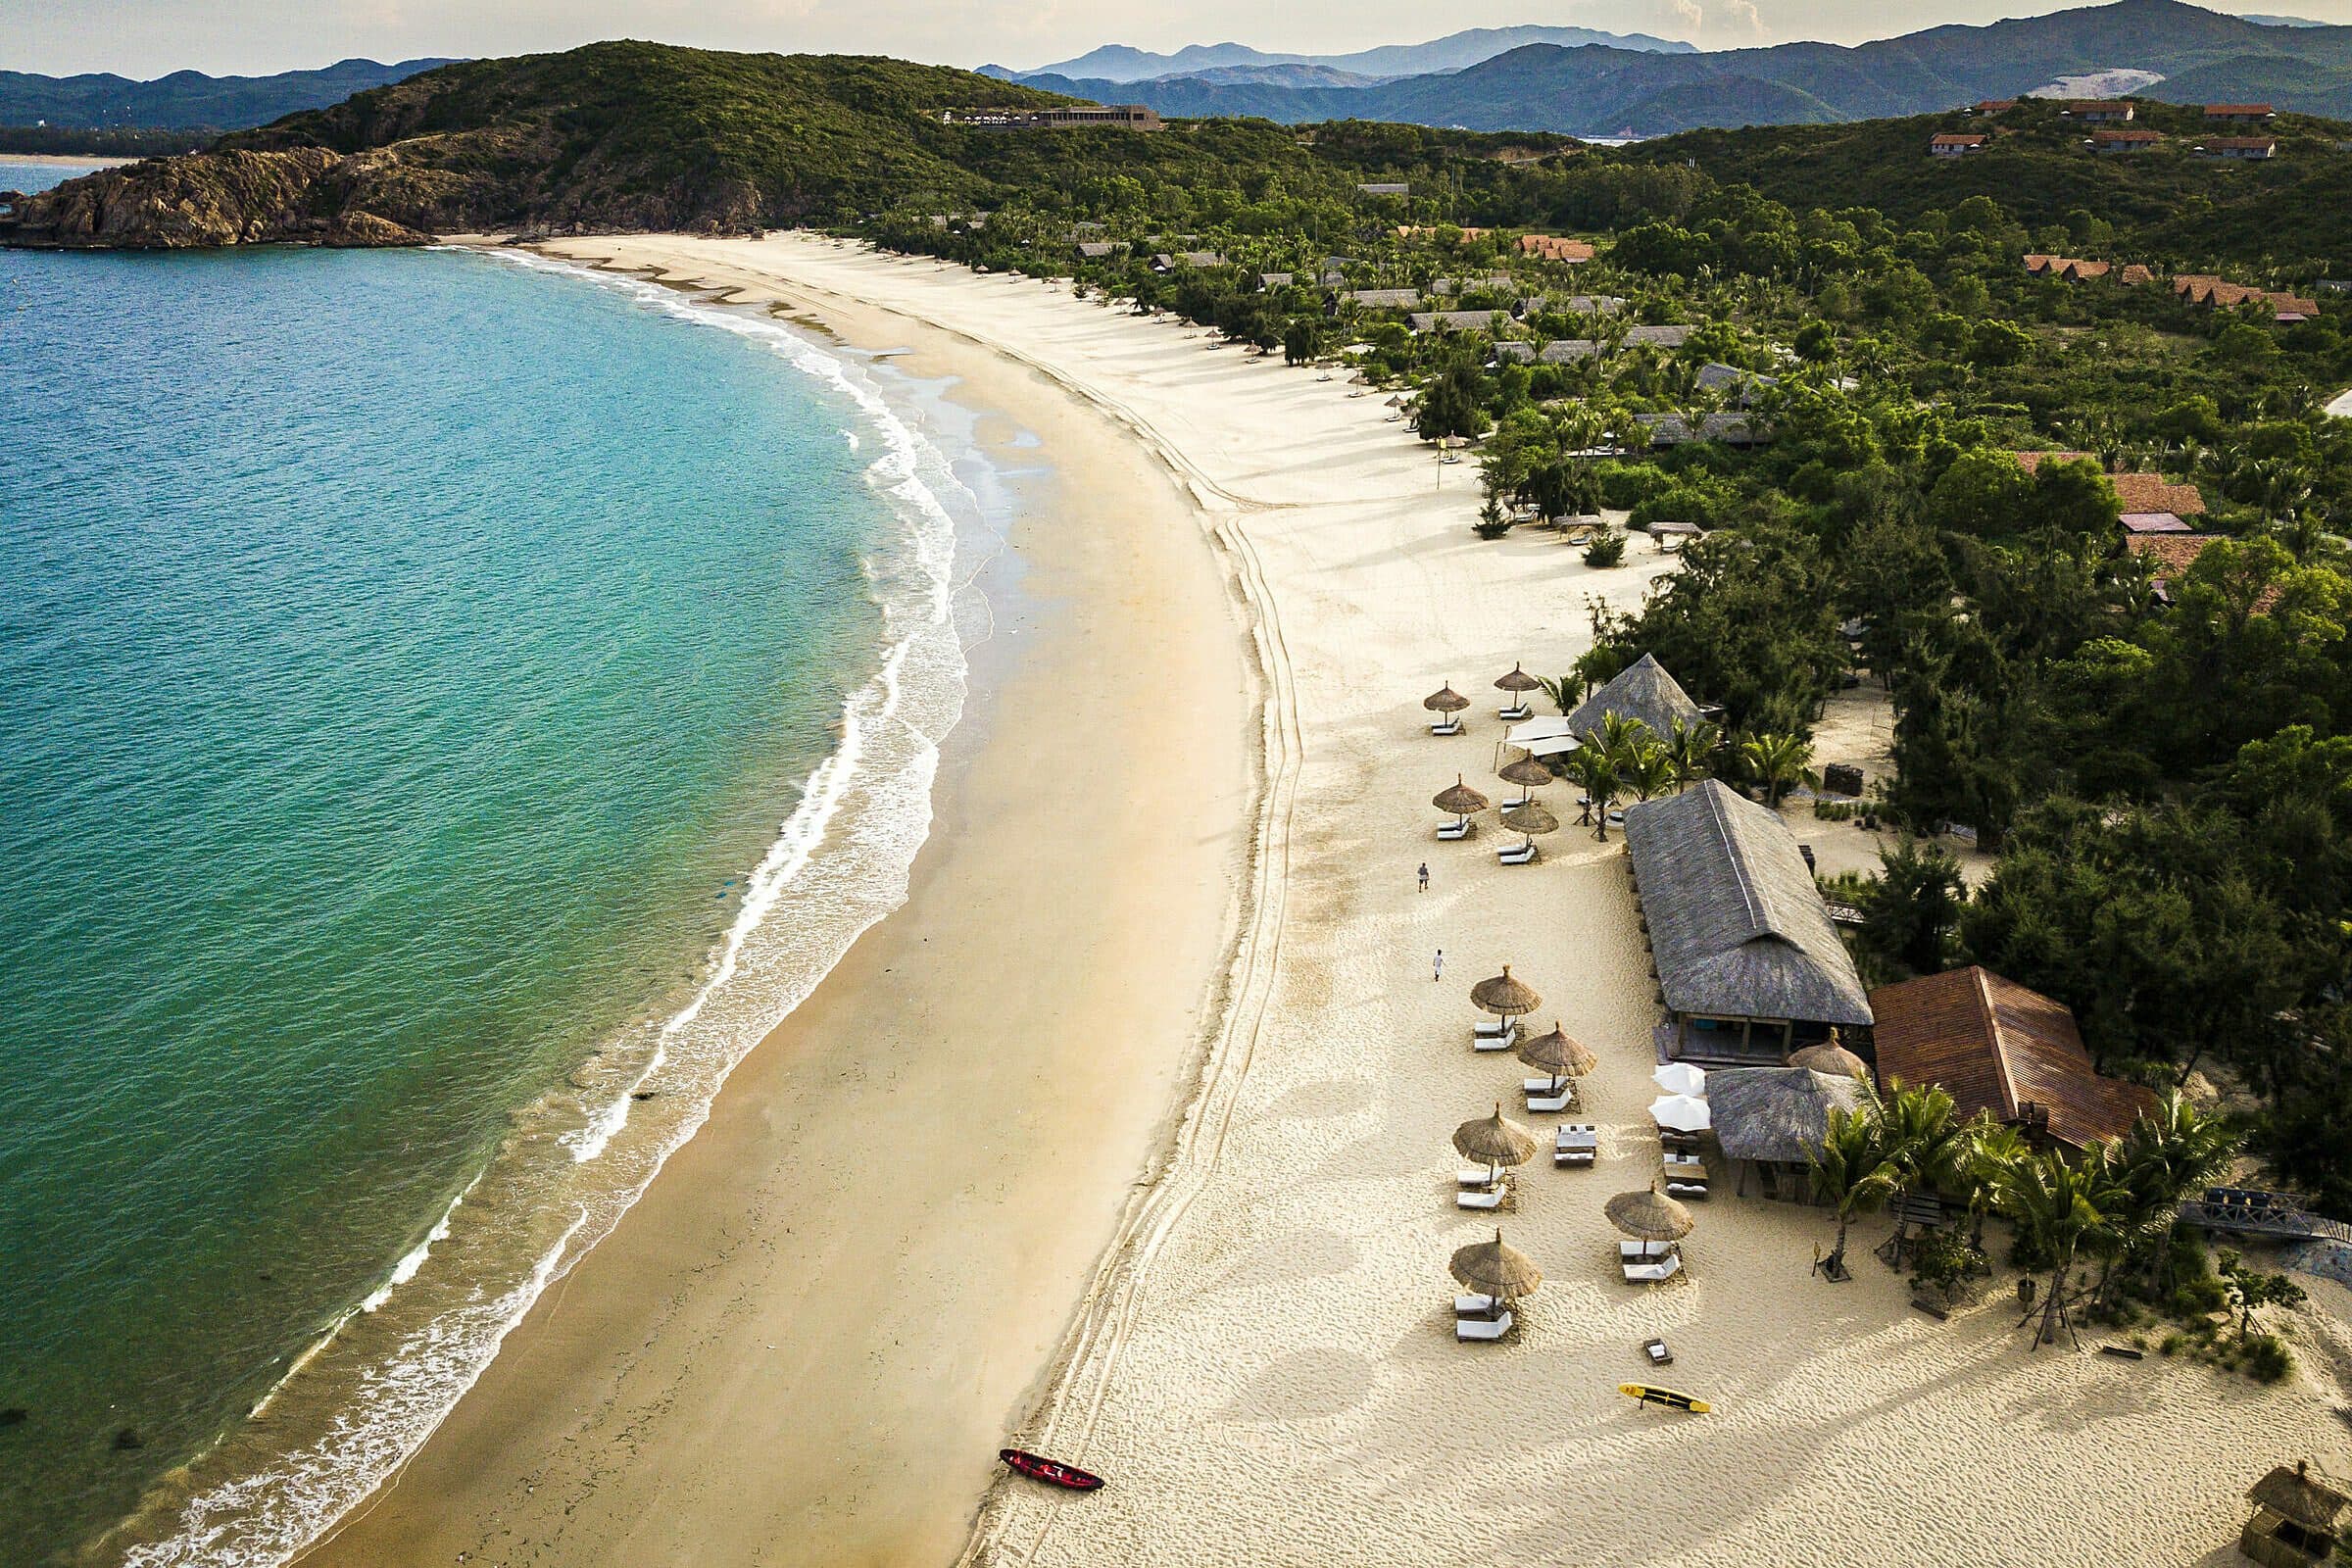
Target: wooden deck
2243,1211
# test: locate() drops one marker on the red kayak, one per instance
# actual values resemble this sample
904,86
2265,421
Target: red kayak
1052,1472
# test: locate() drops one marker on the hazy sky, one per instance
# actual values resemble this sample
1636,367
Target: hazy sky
148,37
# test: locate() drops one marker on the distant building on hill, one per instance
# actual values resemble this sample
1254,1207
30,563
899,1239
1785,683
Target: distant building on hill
2219,293
2239,113
1994,106
1383,188
2130,140
2099,113
1550,248
2238,147
1950,145
1061,117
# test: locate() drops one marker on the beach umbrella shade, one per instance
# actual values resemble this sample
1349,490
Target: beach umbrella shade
1493,1142
1680,1078
1526,772
1445,699
1459,799
1560,1055
1398,401
1834,1060
1682,1113
1518,680
1495,1268
1506,997
1649,1215
1530,819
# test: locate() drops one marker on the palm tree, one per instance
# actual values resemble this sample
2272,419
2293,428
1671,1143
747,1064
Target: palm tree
2169,1155
1996,1147
1691,750
1778,761
1620,736
1924,1139
1592,767
2061,1205
1852,1171
1646,770
1565,692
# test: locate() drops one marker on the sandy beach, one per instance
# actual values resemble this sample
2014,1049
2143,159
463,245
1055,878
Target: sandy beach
914,1224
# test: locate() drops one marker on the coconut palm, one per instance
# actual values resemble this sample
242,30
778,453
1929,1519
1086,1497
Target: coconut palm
1925,1139
1564,691
1620,736
1778,761
1592,767
1852,1172
1691,750
1996,1147
2170,1155
1647,770
2060,1205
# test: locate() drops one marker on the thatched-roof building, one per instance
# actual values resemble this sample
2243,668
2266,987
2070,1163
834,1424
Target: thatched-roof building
1774,1119
1642,690
1749,966
1995,1045
2299,1517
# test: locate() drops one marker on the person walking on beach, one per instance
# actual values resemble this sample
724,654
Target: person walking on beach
1425,876
1437,971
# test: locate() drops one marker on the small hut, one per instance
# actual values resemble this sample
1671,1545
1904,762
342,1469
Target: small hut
1642,690
2298,1519
1774,1119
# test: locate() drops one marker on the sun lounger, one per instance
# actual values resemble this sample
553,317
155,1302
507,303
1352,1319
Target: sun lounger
1577,1136
1653,1273
1573,1158
1480,1328
1644,1252
1544,1104
1454,830
1475,1306
1516,854
1515,714
1493,1026
1685,1166
1526,798
1501,1042
1475,1176
1657,1352
1685,1188
1447,726
1488,1197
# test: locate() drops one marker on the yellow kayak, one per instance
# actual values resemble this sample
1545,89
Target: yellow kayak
1672,1398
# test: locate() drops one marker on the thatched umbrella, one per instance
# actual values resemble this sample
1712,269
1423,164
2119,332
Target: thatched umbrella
1649,1217
1834,1060
1504,996
1459,799
1529,774
1398,401
1531,819
1495,1141
1446,701
1558,1055
1493,1268
1518,680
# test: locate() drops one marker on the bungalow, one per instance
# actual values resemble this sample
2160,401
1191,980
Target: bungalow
2072,269
2219,293
2097,113
2239,113
2134,274
1454,320
1948,145
1547,248
2239,148
1996,1047
1747,385
2134,140
1749,966
1386,299
1594,304
1994,106
2154,523
1385,188
1094,250
1666,429
2137,493
1271,281
1643,691
2172,553
1732,429
1658,336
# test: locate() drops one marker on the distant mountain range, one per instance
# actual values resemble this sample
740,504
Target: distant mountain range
1232,64
1599,90
189,98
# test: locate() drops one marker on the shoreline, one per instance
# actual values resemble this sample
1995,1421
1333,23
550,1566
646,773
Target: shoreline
503,1448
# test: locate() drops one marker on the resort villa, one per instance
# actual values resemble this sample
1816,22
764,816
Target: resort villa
1749,967
1643,691
1060,117
1995,1045
1951,145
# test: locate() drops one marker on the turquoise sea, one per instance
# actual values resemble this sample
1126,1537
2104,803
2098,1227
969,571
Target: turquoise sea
449,707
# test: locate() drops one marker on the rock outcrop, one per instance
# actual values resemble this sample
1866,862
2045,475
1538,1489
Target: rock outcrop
203,200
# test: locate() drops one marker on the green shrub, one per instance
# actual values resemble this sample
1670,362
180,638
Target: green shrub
1626,485
1606,551
2268,1359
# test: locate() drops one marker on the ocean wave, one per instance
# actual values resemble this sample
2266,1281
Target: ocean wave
380,1379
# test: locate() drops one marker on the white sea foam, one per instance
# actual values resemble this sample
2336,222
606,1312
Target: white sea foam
840,861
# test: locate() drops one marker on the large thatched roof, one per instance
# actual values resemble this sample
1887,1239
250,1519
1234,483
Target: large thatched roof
2302,1494
1643,690
1737,926
1776,1113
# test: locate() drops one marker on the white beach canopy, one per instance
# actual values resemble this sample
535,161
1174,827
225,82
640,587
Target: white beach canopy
1680,1078
1552,746
1682,1113
1539,729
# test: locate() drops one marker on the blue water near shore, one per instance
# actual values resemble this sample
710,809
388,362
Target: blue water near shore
437,703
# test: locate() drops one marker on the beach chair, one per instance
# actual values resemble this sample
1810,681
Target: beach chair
1516,854
1480,1330
1644,1252
1685,1166
1487,1197
1501,1042
1539,1104
1475,1176
1575,1145
1447,726
1517,712
1657,1273
1495,1026
1657,1352
1526,798
1456,830
1475,1306
1685,1188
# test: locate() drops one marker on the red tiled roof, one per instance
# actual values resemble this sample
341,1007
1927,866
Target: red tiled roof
1553,249
2237,111
1995,1045
2154,523
2153,492
1996,106
2239,144
1952,139
2099,107
2031,461
2137,274
2133,136
2174,553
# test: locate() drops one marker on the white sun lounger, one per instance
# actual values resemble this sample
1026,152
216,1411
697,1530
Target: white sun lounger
1469,1329
1487,1197
1454,830
1575,1145
1447,726
1513,715
1552,1105
1475,1176
1475,1306
1543,1086
1501,1042
1653,1273
1493,1026
1525,799
1516,854
1685,1188
1644,1252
